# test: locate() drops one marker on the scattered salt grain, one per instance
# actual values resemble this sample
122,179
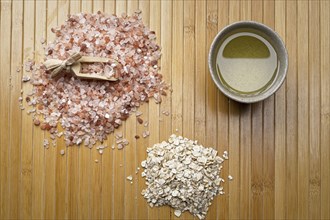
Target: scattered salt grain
26,79
145,134
140,120
130,178
166,113
31,111
62,152
138,113
36,122
46,143
42,40
120,146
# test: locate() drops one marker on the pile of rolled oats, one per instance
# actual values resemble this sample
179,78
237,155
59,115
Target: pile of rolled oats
182,174
89,110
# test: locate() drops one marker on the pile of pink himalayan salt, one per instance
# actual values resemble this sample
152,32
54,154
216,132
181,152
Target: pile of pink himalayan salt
90,110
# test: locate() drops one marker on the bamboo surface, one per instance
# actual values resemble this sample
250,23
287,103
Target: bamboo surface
279,149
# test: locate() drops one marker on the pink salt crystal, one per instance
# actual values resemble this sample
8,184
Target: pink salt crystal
166,113
140,120
80,133
119,135
46,143
89,110
26,78
120,146
145,134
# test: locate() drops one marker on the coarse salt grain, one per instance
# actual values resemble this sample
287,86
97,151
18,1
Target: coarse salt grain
95,109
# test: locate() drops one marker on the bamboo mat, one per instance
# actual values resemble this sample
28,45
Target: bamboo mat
279,149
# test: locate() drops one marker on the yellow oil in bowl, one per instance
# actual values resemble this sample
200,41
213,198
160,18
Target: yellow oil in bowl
246,63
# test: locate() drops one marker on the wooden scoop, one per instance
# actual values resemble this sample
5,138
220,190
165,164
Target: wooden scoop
73,64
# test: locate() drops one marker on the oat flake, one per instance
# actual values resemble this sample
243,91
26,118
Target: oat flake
182,174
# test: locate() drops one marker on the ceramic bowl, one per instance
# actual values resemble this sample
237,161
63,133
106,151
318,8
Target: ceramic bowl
273,38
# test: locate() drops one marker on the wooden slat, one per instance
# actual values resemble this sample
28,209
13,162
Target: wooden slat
142,143
97,158
119,155
130,153
108,191
223,121
291,111
234,135
165,128
154,114
50,153
257,132
188,67
15,112
85,160
280,128
73,155
38,178
27,126
325,108
188,77
268,128
200,73
211,90
61,196
177,69
303,106
245,138
314,111
5,60
98,5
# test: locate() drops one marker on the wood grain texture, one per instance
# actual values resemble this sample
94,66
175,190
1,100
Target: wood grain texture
279,149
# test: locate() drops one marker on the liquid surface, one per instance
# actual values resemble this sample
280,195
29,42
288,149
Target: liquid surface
246,63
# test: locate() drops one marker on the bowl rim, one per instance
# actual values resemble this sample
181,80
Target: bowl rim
269,32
